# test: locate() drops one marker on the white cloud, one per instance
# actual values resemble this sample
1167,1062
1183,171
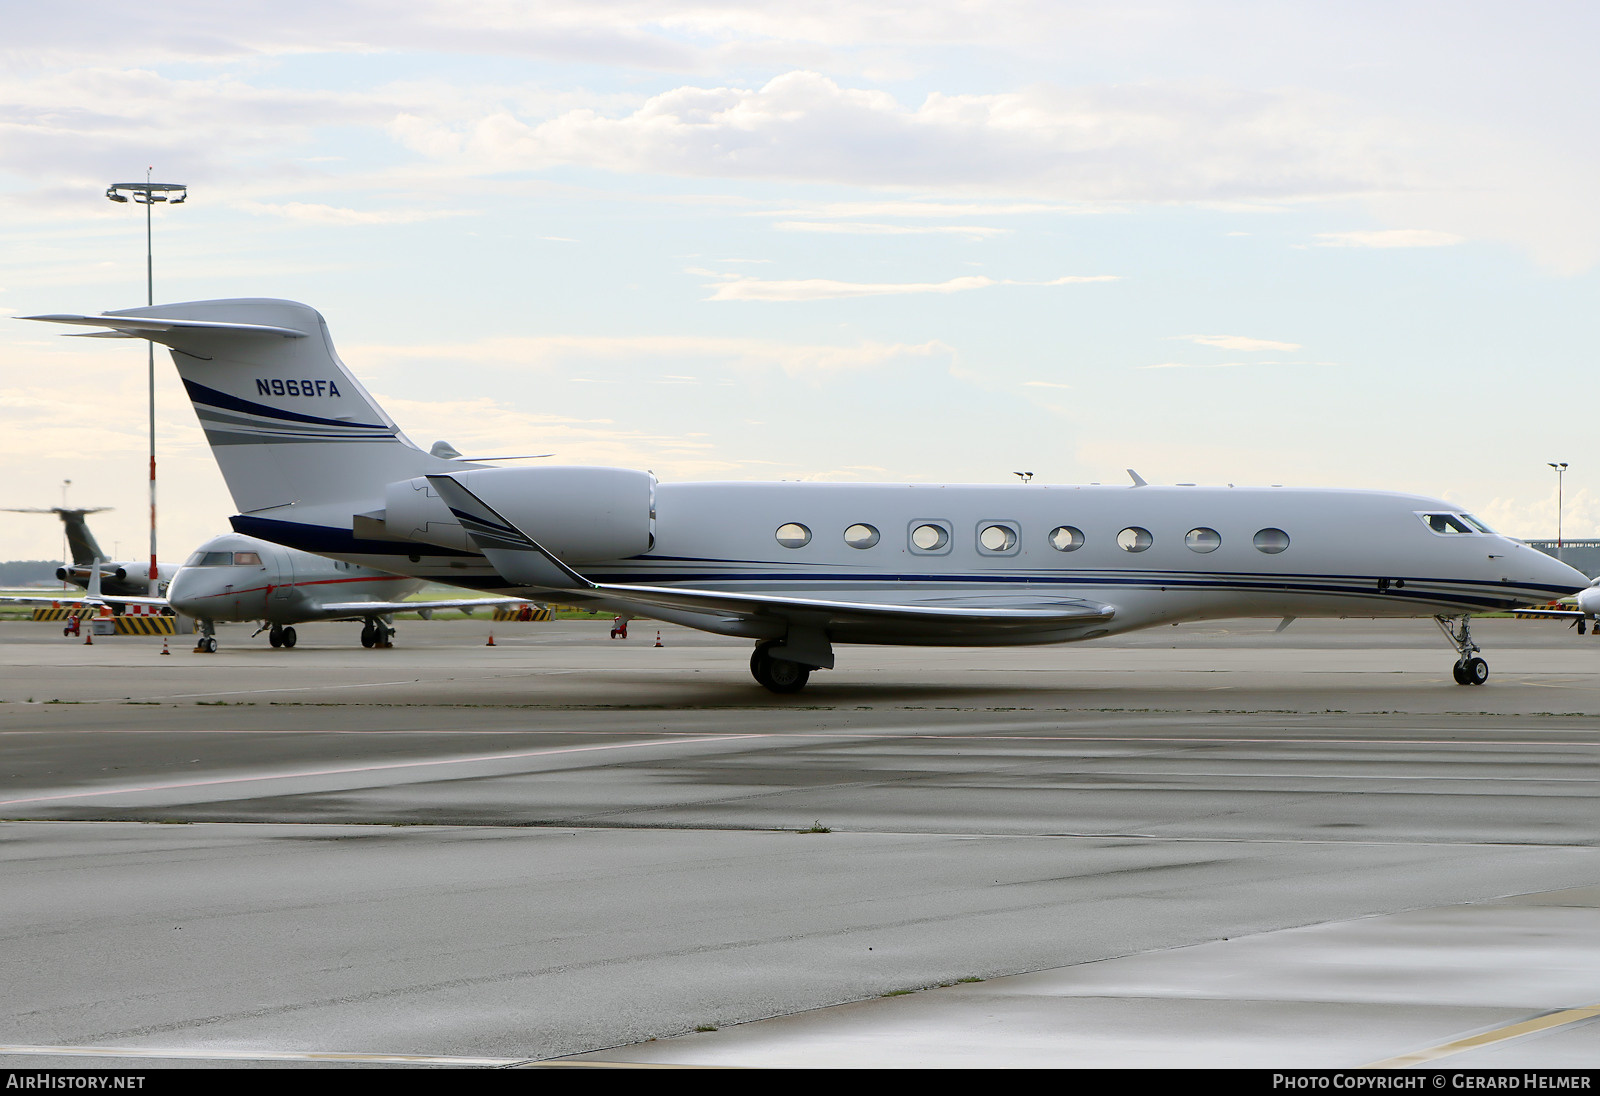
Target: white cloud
858,228
312,213
1192,365
1390,237
1238,342
566,352
1136,142
737,288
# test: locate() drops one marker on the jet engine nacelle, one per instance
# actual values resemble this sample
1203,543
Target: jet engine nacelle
68,574
581,514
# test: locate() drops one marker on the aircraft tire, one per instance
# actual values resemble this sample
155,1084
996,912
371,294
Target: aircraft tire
778,675
1458,673
209,645
289,637
369,636
275,636
1475,671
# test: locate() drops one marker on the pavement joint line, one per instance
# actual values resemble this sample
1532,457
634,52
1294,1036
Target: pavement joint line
1498,1035
260,1055
369,768
251,692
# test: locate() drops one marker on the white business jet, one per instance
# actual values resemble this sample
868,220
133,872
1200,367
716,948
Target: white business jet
238,578
314,463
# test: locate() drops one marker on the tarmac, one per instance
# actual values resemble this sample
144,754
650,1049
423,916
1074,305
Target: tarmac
1204,846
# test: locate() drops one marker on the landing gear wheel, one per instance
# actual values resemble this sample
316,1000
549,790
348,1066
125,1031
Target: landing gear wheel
275,636
1469,668
208,644
369,636
778,675
289,637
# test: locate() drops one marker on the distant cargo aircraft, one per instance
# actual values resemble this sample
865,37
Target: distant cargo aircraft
117,577
314,463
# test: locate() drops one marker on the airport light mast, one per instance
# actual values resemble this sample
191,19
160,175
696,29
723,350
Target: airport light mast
148,194
1561,473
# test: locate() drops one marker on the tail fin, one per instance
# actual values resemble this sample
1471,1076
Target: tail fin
288,423
80,542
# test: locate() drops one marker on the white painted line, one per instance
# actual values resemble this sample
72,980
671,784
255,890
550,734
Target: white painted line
258,1055
371,768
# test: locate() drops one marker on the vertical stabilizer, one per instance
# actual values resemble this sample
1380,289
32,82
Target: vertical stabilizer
81,545
288,423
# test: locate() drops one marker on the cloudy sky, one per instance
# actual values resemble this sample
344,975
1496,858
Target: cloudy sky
1316,244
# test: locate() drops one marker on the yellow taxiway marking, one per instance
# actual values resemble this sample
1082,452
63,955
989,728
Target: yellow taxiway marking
1498,1035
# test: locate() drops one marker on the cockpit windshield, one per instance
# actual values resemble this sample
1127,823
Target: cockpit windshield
224,559
1453,524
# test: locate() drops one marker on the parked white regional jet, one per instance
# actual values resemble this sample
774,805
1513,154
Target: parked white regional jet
314,463
238,578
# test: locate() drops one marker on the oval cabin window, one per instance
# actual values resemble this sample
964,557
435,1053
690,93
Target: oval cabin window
861,536
997,538
1134,539
793,535
1271,541
1066,538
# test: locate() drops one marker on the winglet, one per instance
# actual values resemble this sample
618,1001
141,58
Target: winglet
517,556
1138,480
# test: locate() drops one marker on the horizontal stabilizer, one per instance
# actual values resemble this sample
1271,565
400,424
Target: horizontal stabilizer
142,327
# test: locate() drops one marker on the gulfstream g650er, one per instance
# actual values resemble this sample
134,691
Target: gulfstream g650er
314,463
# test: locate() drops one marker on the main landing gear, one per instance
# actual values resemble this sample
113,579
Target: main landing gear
281,636
777,674
1469,668
375,633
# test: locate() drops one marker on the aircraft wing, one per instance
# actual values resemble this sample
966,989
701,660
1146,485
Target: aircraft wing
521,559
426,608
1548,613
829,613
85,599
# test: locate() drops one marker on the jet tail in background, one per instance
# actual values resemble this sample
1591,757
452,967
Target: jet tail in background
81,544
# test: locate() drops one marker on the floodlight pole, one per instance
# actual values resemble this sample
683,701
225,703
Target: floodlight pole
148,194
1561,474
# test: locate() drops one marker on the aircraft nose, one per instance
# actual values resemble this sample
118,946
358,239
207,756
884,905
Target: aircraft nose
1546,570
182,593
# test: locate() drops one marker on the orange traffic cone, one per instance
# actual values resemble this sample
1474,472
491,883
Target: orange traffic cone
658,637
164,646
88,636
491,642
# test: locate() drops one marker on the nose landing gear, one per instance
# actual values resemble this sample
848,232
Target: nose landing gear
1469,668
